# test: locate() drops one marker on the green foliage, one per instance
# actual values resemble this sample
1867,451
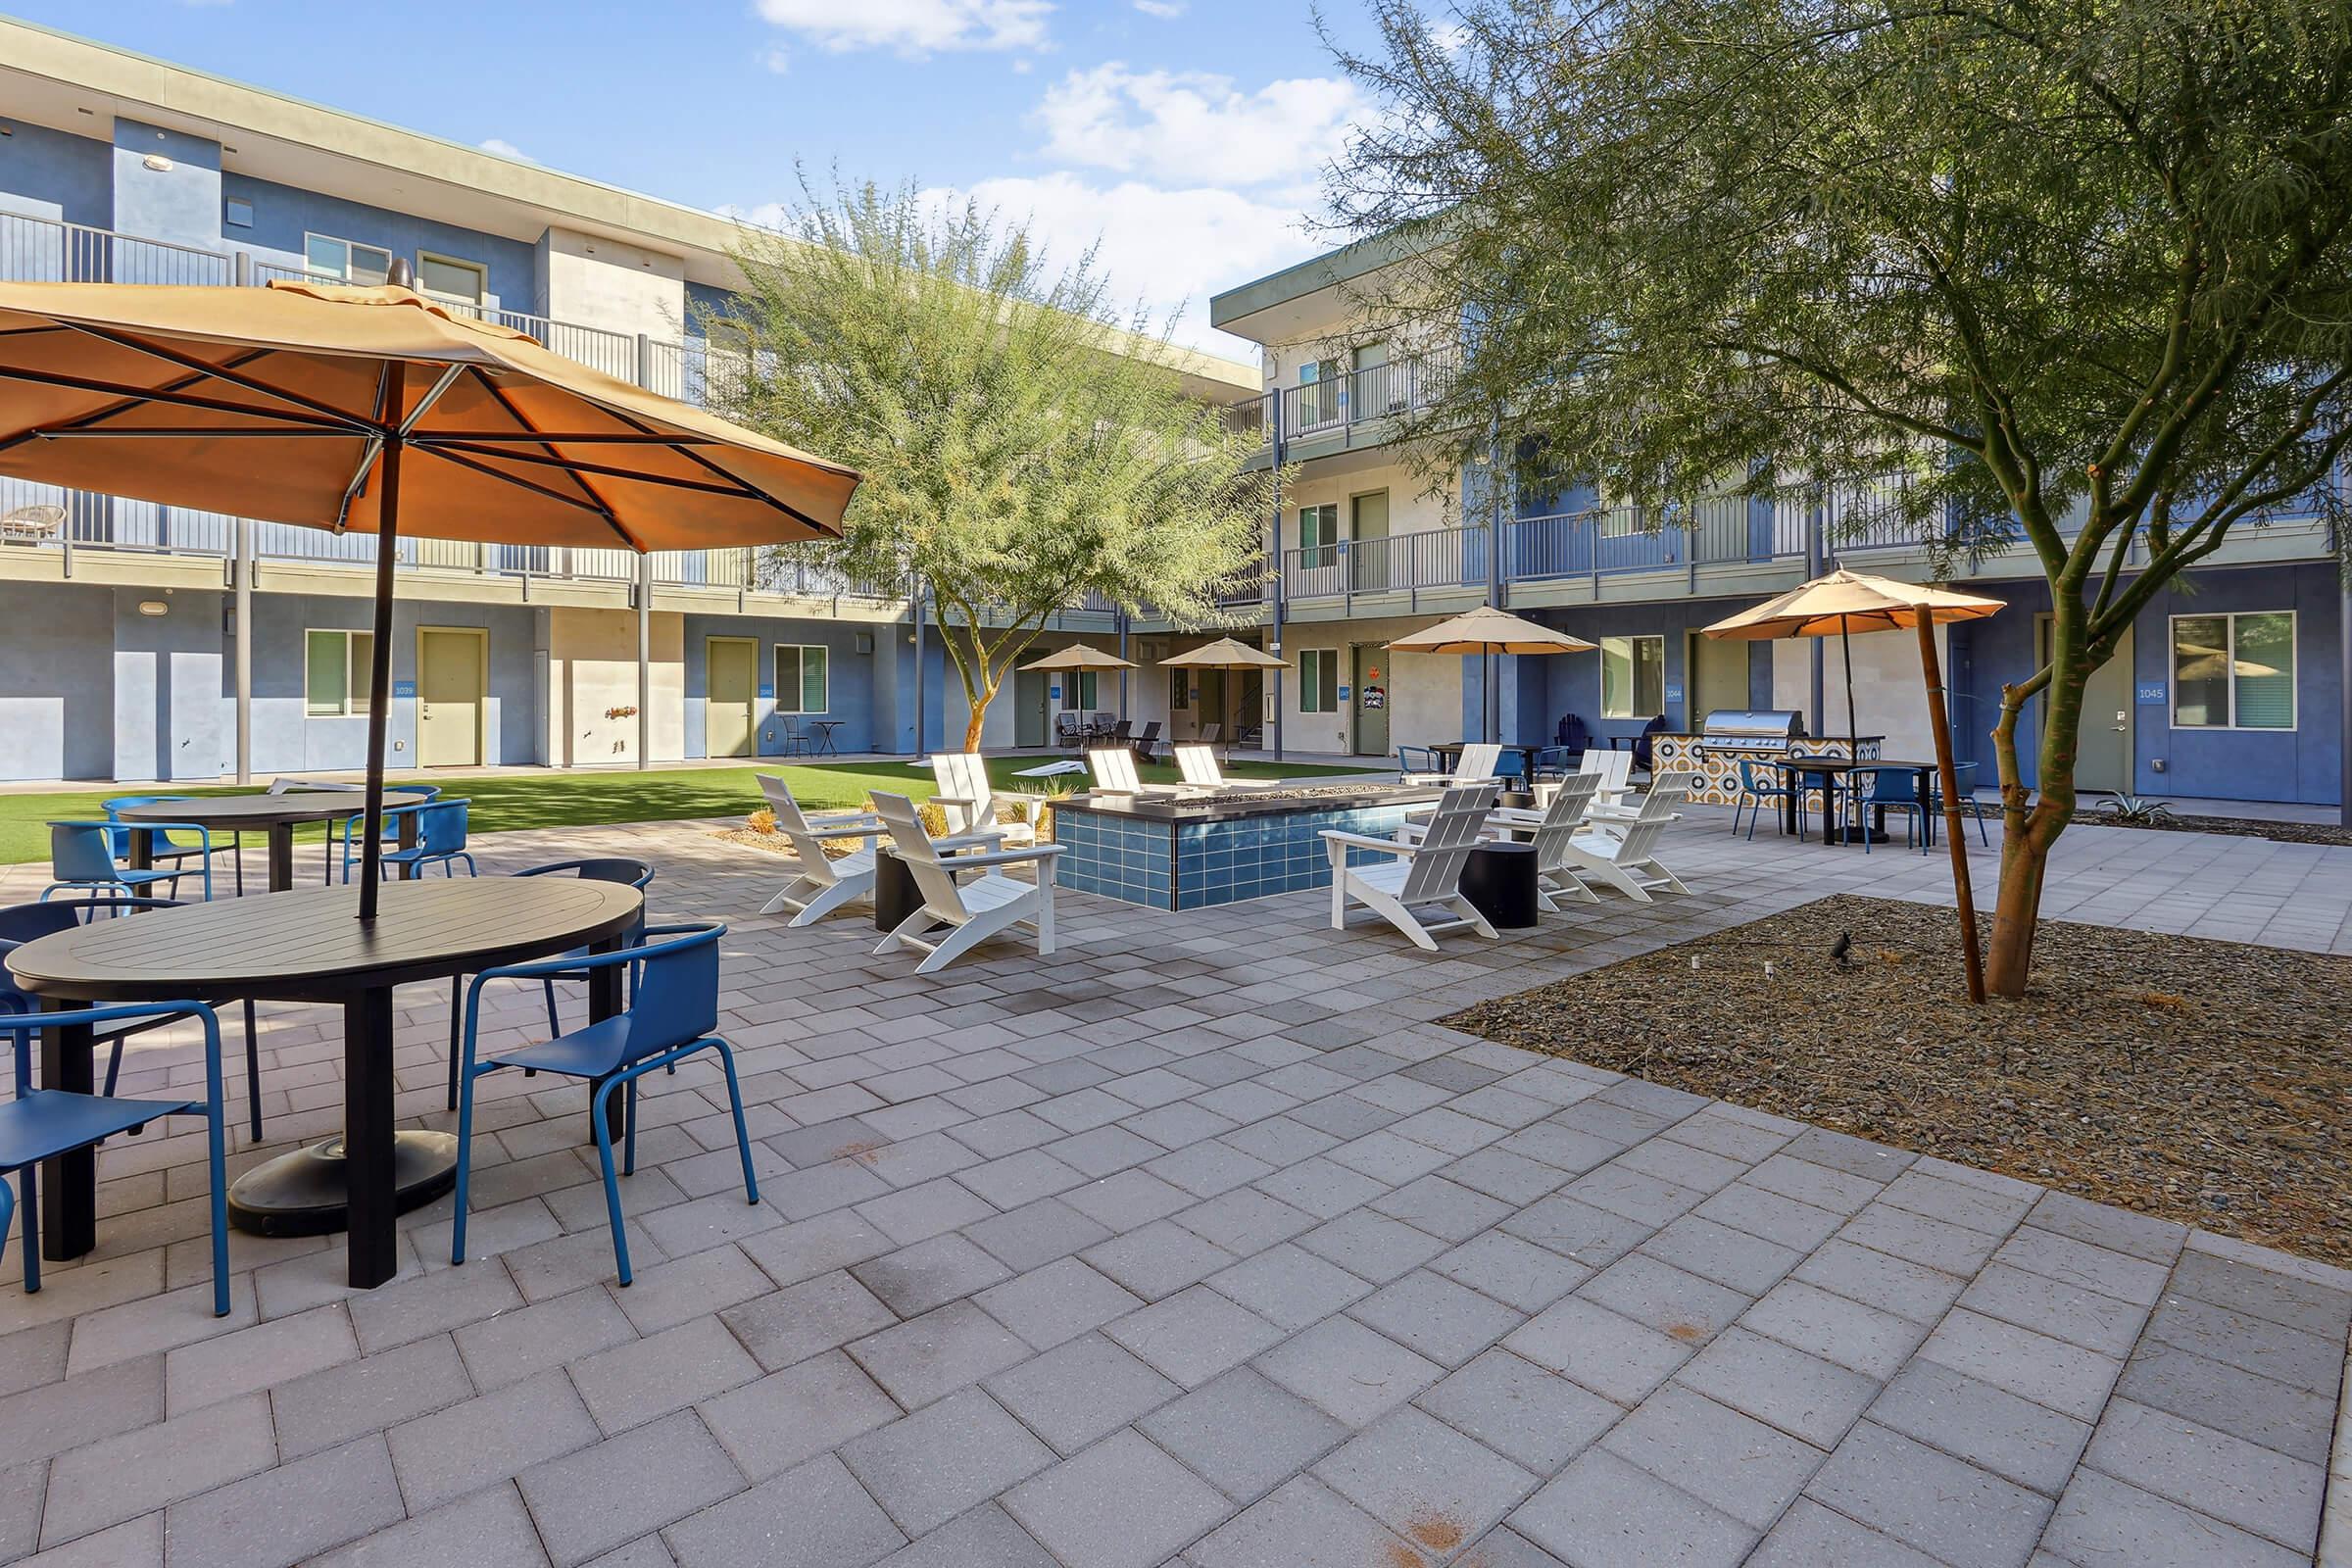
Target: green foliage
2134,810
1022,445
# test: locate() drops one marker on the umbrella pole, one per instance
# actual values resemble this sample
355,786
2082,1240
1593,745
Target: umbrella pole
379,675
1949,779
1853,726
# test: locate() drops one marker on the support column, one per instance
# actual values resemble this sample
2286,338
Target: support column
920,718
1815,564
1123,673
2344,706
244,650
1274,583
645,661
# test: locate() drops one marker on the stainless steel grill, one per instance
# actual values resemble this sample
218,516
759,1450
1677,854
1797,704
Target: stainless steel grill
1751,729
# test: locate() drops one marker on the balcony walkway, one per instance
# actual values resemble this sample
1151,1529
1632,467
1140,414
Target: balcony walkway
1195,1243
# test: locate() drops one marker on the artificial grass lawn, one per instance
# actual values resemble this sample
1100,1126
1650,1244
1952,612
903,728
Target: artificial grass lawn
588,799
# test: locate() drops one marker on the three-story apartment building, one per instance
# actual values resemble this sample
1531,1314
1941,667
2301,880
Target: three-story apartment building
118,621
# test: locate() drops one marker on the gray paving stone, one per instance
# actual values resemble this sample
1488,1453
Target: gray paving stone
1122,1503
1210,1168
2262,1292
668,1293
807,1318
1781,1386
1158,1259
2294,1421
1243,1433
1577,1230
1678,1304
1126,1199
985,1538
1425,1481
125,1475
56,1416
1079,1391
1244,1221
1810,1536
1057,1303
1036,1233
467,1446
916,1279
1952,1249
2083,1265
791,1253
33,1356
1535,1418
1318,1186
796,1414
1347,1371
1881,1280
2055,1307
815,1516
1952,1511
1924,1192
1988,1427
1855,1156
327,1408
647,1379
1747,1264
254,1359
1728,1461
931,1357
1501,1174
1193,1335
490,1529
2065,1377
602,1496
1611,1355
1637,1195
2119,1230
2248,1342
1427,1312
432,1303
1020,1178
1371,1245
288,1515
512,1346
2252,1488
1290,1286
1820,1323
1302,1525
1601,1512
2101,1520
932,1465
1754,1211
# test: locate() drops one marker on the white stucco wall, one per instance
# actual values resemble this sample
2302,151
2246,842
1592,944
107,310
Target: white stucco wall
1889,698
596,281
592,669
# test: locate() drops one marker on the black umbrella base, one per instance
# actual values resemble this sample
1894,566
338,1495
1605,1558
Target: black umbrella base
302,1193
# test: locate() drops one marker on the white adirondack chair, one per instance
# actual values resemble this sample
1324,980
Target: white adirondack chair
1615,772
1426,875
1198,765
1476,765
977,910
969,800
1114,770
1552,831
1624,855
821,884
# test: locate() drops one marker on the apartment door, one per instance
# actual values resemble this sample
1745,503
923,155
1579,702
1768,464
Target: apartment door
730,686
2103,760
451,693
1030,723
1209,707
1367,672
1718,679
1368,531
1374,393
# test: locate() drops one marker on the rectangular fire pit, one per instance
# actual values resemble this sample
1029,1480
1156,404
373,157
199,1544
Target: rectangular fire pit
1186,850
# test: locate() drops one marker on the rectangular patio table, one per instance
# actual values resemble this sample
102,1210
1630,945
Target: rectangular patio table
1834,771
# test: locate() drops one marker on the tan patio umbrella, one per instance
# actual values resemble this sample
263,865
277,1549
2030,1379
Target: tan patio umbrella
1226,653
1488,630
298,403
1843,603
1078,656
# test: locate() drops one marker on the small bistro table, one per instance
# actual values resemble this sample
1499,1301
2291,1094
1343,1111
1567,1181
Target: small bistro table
309,946
1450,755
824,728
1833,773
276,814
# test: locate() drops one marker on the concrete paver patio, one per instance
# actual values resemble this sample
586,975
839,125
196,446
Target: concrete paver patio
1196,1243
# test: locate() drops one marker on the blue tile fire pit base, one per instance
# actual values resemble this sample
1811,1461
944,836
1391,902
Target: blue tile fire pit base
1189,855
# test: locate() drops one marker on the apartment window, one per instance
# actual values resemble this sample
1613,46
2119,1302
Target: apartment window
802,679
1180,690
1319,535
237,212
2235,672
449,278
1320,384
1320,680
336,665
1081,690
342,261
1632,677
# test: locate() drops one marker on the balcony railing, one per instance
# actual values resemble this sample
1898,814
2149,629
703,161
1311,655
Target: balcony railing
1724,530
1406,562
1376,392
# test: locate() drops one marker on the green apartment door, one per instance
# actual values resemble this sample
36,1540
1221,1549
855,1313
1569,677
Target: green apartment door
1368,671
1368,542
732,683
1029,722
2103,757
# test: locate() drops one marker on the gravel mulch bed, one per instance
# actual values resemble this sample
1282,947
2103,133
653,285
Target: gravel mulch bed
2237,827
2201,1081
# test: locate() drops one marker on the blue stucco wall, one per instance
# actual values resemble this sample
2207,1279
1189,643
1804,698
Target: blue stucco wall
50,173
284,215
57,702
170,719
180,203
701,296
850,677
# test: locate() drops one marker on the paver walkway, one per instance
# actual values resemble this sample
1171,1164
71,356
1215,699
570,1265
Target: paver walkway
1196,1242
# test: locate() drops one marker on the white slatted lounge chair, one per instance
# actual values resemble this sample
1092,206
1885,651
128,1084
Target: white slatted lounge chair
1477,764
821,884
977,910
1624,855
1114,770
1198,765
1616,771
1552,831
1419,876
969,800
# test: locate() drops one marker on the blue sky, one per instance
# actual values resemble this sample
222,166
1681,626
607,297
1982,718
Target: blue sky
1186,133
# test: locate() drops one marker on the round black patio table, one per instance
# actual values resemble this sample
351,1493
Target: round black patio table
309,946
276,814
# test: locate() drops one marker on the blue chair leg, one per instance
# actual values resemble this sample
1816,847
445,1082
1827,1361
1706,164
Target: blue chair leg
252,1071
114,1067
466,1075
604,1160
628,1135
30,1198
742,1137
216,1124
7,1211
553,1027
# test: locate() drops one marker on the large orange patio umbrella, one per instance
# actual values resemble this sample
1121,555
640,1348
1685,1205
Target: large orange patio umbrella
374,410
1488,631
1843,603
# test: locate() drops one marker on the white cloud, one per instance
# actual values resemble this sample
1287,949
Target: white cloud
506,149
1192,127
1168,248
1165,10
912,27
777,61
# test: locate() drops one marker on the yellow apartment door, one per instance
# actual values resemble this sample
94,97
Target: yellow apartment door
733,665
1718,679
451,691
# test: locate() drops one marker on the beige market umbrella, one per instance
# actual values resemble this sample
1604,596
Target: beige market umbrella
298,403
1488,630
1226,653
1843,603
1078,656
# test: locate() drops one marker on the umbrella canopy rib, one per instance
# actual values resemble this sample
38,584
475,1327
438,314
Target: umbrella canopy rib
130,392
598,502
234,376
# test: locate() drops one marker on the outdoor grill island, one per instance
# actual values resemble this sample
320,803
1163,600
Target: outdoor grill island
1711,755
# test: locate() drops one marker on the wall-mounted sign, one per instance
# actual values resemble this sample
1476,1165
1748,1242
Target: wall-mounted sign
2151,694
403,688
1055,692
1342,693
768,689
1673,694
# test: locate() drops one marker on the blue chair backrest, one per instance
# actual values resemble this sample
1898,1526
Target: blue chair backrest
1893,785
1573,734
20,923
82,852
1750,782
441,827
119,838
677,993
1641,748
1964,778
1510,764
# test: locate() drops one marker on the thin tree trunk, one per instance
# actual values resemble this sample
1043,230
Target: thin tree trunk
979,701
2030,827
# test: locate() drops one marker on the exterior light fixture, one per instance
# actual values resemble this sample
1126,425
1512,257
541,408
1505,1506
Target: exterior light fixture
154,607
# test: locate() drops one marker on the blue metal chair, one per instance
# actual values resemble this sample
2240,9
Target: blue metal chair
162,847
440,839
344,834
632,874
1964,775
1891,789
1510,764
1417,759
42,1123
674,1015
1754,793
81,855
